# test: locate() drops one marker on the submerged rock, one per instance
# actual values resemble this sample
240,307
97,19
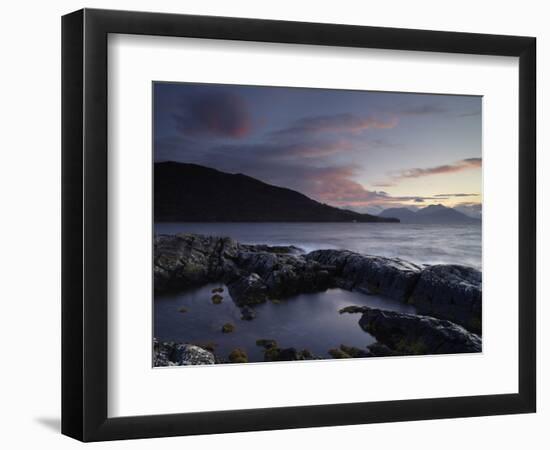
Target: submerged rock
228,328
274,353
238,356
217,299
266,343
409,334
337,353
247,313
345,351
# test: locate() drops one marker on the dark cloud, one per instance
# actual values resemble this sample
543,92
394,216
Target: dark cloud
313,149
221,114
422,110
473,113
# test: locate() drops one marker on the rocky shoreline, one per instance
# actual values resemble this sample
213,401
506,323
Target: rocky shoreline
448,297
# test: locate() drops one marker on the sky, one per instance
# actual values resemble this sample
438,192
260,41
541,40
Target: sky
361,150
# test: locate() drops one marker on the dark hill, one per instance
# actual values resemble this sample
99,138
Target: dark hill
193,193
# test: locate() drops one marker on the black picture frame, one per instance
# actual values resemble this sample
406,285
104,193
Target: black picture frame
84,224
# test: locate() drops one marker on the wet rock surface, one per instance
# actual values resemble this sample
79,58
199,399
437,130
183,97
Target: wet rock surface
450,292
370,274
409,334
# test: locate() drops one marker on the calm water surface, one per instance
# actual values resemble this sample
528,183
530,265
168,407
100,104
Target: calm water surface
308,321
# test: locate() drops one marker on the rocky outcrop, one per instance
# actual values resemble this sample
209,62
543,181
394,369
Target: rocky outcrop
186,260
409,334
370,274
283,273
177,354
252,272
248,290
255,273
450,292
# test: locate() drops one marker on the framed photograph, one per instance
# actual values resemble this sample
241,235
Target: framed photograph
273,224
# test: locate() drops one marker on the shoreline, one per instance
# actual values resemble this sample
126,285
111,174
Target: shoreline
447,297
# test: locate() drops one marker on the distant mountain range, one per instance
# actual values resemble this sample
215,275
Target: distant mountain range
436,214
193,193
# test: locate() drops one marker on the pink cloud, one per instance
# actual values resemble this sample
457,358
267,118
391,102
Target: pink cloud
336,186
459,166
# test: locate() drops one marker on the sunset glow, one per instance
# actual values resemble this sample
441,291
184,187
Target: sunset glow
354,149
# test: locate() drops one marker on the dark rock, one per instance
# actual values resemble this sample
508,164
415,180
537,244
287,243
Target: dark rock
280,249
354,352
337,353
284,274
238,356
248,290
161,353
210,346
378,349
266,343
346,351
176,354
217,299
370,274
247,313
186,260
352,309
450,292
187,354
286,354
228,328
289,354
409,334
